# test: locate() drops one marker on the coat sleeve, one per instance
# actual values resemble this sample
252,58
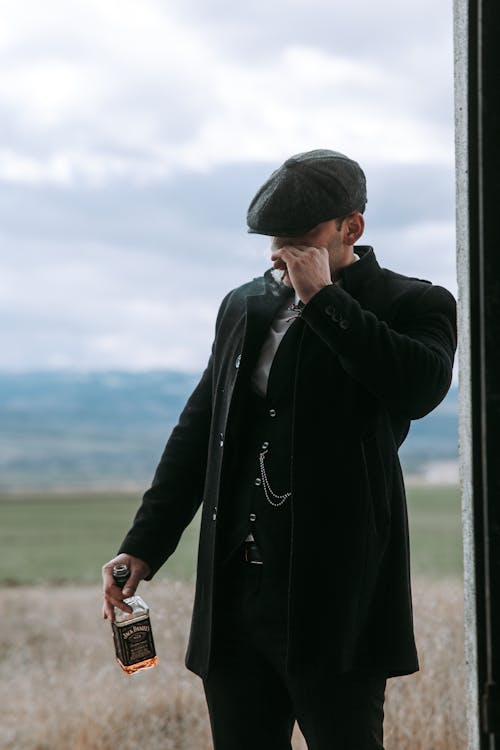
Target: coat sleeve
171,502
407,364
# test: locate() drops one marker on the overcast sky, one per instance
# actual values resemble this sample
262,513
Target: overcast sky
134,135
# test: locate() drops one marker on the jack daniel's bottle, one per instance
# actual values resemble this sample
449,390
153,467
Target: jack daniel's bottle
132,633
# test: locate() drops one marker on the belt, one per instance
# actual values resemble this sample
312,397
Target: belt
252,554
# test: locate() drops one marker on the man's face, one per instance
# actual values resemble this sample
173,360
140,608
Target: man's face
327,234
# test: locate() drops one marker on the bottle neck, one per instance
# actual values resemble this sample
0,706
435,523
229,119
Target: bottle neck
121,574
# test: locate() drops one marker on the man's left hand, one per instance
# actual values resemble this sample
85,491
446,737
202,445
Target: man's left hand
308,268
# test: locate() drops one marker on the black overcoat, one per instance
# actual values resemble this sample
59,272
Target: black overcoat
375,353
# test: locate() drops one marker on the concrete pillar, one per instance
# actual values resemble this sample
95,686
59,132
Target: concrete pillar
464,362
477,97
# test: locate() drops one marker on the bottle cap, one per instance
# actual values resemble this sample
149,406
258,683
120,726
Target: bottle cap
121,574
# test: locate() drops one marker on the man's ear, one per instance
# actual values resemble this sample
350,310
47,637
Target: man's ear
353,227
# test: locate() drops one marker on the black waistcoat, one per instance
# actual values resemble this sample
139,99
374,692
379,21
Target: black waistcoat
263,434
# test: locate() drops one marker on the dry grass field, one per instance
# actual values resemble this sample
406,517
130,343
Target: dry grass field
62,689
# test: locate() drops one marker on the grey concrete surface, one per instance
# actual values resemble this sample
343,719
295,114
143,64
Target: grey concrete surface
464,353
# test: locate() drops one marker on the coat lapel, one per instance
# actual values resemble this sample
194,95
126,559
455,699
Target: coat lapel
261,309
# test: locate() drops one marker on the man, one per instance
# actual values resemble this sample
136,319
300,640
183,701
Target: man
303,601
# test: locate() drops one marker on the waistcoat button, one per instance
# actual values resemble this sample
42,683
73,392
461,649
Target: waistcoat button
272,412
257,481
253,517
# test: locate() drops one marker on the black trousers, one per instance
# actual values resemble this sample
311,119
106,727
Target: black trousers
252,701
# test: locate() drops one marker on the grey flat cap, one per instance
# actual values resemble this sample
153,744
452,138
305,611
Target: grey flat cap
309,188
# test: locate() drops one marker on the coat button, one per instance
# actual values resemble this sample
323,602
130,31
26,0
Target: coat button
265,446
272,412
257,481
253,517
237,361
329,310
344,324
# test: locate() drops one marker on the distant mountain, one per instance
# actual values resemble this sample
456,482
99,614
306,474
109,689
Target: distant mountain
433,438
107,430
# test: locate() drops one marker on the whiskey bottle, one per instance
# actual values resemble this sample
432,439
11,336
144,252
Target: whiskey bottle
134,645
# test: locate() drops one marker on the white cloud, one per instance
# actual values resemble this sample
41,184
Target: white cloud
309,98
96,307
133,137
425,249
94,91
45,93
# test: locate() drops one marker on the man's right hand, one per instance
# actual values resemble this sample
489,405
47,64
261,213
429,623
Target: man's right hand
113,594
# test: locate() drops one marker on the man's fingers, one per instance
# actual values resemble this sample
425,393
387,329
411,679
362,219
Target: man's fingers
291,253
113,594
296,250
131,584
287,251
320,248
107,577
107,611
280,265
278,262
108,608
125,607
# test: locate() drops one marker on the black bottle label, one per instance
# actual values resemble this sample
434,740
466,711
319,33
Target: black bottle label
134,642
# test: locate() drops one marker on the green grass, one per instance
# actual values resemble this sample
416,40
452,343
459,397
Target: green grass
68,537
435,531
